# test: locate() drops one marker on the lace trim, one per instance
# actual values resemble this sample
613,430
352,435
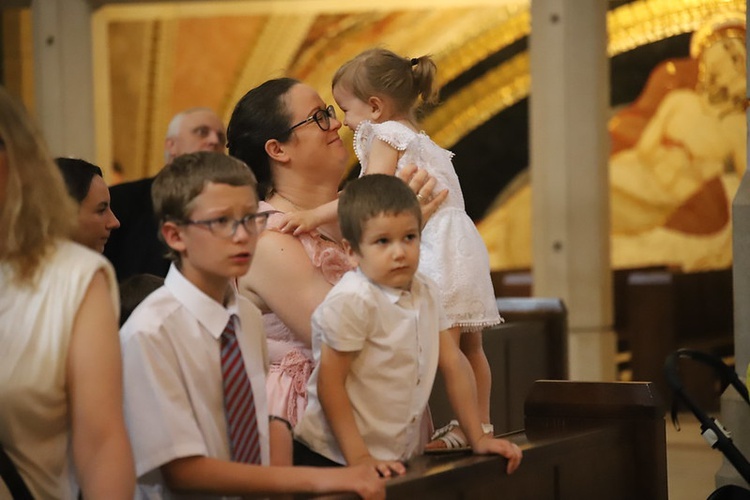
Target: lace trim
298,368
398,136
474,326
358,140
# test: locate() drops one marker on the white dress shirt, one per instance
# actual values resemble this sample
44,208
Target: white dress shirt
395,334
174,404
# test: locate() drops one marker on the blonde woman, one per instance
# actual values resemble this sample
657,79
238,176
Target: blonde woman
60,376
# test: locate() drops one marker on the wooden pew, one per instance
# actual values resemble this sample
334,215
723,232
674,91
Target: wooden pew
530,345
583,440
656,311
665,310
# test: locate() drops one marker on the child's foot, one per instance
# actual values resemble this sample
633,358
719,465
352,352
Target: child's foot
452,438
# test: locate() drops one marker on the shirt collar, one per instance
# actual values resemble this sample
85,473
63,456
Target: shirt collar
394,295
209,313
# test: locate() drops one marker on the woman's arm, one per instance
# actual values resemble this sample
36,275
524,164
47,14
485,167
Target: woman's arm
101,450
280,441
220,477
284,278
334,368
423,184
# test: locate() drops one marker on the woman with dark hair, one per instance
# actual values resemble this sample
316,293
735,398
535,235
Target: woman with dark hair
87,187
289,137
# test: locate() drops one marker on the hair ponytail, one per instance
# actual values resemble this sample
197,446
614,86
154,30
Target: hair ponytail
380,72
424,70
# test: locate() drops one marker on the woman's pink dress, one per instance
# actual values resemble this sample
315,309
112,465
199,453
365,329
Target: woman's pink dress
291,360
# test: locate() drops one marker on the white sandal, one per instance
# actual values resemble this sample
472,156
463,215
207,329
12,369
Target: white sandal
488,429
454,442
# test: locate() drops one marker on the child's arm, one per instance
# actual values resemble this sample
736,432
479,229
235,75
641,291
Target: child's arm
462,393
382,159
306,220
220,477
334,368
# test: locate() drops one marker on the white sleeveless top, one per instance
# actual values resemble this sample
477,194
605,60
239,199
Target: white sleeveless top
35,328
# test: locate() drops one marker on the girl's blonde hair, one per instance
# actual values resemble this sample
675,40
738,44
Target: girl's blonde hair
380,72
35,208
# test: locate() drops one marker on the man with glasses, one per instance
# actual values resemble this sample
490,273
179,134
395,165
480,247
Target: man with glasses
134,248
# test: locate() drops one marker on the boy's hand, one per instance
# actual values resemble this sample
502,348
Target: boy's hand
385,468
489,445
298,222
366,482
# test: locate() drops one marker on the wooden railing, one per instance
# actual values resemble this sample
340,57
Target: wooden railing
583,440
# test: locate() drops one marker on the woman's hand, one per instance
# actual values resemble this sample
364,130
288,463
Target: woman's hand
423,184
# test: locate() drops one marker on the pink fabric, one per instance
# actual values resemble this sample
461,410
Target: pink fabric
291,360
326,255
286,385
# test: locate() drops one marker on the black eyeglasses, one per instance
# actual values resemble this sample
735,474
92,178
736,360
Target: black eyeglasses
226,227
321,117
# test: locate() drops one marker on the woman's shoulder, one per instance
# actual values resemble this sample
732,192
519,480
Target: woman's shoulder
281,253
279,247
69,259
75,260
67,273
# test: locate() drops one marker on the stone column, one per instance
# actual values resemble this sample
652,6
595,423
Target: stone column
63,76
735,412
569,175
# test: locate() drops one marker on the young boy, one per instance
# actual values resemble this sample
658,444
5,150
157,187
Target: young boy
378,338
194,351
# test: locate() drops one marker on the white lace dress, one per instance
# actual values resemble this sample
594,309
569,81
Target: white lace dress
452,251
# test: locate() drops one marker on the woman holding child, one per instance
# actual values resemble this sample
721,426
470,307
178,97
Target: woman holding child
289,137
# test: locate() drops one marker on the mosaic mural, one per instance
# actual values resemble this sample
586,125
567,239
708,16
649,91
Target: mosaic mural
678,102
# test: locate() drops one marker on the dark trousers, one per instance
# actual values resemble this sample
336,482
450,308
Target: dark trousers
305,456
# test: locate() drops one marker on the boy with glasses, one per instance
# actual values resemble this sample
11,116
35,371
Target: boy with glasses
194,351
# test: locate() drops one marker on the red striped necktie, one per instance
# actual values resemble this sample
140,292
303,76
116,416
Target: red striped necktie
239,403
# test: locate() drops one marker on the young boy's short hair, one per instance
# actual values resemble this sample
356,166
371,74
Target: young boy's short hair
181,181
134,289
370,196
